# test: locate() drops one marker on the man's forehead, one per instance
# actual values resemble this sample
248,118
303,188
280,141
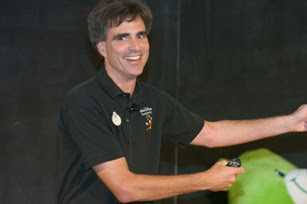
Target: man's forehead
131,27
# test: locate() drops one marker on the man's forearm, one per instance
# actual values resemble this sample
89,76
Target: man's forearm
232,132
148,188
131,187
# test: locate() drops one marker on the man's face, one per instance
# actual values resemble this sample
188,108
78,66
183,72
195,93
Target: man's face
125,50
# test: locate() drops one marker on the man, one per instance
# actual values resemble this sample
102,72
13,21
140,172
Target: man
112,125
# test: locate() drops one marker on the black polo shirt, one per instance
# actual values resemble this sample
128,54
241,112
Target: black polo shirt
99,122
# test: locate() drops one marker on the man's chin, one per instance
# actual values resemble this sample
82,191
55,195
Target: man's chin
136,73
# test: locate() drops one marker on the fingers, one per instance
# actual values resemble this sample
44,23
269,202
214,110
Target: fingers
223,162
222,177
240,170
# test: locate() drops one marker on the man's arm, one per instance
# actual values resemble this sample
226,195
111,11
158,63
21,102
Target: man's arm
232,132
130,187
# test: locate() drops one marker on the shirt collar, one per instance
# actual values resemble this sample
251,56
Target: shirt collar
112,89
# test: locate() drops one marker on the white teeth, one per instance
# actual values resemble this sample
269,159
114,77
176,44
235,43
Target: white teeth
133,58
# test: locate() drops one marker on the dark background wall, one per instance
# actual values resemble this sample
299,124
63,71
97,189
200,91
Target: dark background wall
233,59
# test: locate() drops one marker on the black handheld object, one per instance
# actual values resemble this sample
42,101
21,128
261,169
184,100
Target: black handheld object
235,162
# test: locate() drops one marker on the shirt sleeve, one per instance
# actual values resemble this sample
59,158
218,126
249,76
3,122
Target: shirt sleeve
89,130
181,126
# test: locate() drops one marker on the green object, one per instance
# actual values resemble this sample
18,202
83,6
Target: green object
261,184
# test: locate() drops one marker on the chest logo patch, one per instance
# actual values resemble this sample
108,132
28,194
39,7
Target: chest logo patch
147,112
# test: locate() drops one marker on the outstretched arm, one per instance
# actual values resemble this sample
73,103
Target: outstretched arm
130,187
232,132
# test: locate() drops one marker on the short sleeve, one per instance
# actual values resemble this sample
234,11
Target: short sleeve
89,130
181,126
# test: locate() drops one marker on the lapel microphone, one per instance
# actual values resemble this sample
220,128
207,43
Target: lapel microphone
135,107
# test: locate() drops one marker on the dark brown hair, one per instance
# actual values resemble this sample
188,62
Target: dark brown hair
111,13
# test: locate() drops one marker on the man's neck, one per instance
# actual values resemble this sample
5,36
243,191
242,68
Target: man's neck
126,85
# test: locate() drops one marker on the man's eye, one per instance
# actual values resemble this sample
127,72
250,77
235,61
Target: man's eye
121,38
141,36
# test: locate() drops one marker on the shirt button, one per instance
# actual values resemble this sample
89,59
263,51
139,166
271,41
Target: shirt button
127,120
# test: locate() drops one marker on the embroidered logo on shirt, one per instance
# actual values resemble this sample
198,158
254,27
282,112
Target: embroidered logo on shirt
148,122
146,111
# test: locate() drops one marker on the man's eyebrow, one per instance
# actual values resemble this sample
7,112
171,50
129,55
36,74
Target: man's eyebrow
120,35
144,32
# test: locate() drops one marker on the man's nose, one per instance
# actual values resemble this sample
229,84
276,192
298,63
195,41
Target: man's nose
134,44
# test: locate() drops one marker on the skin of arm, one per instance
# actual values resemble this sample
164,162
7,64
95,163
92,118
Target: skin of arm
129,187
232,132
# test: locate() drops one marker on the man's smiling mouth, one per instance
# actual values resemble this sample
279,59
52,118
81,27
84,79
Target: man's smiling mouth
133,58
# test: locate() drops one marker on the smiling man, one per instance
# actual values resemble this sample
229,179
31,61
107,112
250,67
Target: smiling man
112,125
125,52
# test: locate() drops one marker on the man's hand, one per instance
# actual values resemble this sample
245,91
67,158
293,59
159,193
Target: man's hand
220,177
300,119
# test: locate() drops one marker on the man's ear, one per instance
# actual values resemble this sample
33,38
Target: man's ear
101,49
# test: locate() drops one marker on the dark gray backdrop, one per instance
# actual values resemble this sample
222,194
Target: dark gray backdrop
231,59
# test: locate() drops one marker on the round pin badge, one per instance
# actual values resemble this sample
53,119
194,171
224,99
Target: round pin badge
116,119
